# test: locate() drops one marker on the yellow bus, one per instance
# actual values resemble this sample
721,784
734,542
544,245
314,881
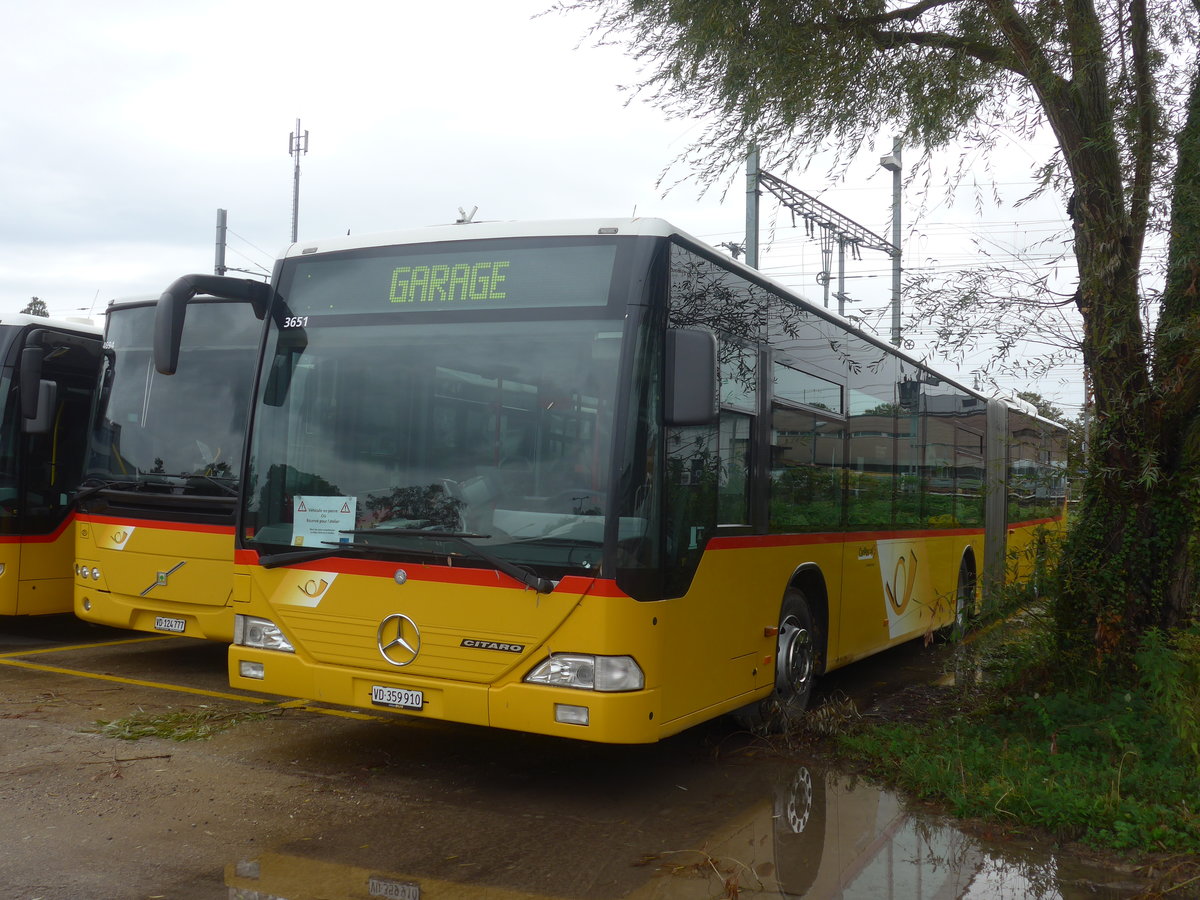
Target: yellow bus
48,371
592,479
154,530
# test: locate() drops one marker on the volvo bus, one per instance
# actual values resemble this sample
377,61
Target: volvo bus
154,531
48,371
592,479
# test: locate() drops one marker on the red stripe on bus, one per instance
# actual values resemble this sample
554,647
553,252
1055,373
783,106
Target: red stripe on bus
158,523
39,538
1053,520
574,584
747,541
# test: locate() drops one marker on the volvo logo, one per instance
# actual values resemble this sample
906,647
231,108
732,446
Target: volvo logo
161,578
398,639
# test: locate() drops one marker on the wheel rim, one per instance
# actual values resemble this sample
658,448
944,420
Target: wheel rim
798,802
794,661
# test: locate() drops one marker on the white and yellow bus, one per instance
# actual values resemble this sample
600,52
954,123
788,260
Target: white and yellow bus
594,479
154,530
48,371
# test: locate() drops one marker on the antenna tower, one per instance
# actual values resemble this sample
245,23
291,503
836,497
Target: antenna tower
297,147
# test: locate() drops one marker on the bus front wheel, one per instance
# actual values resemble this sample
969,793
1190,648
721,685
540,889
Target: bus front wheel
795,670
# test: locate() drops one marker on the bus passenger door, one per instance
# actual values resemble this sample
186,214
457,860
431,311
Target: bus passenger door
712,651
51,467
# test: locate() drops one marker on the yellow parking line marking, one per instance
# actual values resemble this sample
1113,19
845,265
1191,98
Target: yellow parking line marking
138,640
340,713
6,660
57,670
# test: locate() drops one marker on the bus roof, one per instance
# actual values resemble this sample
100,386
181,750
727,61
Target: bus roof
21,320
488,230
647,227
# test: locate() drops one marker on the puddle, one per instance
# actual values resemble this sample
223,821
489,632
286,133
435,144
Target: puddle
746,831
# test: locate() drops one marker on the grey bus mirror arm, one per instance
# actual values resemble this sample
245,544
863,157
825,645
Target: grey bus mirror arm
691,394
172,307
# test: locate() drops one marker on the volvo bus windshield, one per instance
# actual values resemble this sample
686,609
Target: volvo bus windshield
181,433
453,401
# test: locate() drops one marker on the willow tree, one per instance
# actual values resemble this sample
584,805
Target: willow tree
1116,83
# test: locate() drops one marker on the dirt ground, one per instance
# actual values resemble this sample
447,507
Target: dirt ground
409,809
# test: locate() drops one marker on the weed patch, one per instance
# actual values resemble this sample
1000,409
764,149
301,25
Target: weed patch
180,725
1112,767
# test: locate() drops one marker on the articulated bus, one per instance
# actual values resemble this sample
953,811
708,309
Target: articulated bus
154,530
596,480
48,371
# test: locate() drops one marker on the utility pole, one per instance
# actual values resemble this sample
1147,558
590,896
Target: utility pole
752,176
833,226
222,228
891,162
297,147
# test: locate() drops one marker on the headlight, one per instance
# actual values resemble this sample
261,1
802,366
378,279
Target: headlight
589,673
251,631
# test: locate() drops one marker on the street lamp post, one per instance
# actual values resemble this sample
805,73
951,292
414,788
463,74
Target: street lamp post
891,162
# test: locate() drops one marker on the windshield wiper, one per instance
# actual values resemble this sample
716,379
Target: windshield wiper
462,538
222,484
333,548
87,490
294,557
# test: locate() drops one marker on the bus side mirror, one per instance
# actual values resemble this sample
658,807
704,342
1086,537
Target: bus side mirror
31,375
43,413
691,389
171,308
169,315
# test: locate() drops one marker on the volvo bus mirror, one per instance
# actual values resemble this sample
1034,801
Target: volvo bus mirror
691,394
172,308
47,401
31,375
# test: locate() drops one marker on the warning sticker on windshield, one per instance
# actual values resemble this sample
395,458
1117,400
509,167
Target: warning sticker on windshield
321,520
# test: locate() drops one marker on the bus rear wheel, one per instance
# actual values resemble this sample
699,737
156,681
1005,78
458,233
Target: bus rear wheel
795,670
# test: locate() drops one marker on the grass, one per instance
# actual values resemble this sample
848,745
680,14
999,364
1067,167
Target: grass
197,724
1114,767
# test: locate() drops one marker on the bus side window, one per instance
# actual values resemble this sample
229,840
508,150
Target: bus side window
739,401
871,430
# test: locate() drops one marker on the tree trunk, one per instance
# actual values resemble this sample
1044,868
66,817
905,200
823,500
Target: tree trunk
1131,559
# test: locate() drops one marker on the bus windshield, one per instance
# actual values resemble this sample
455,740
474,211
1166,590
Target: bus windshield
181,433
435,431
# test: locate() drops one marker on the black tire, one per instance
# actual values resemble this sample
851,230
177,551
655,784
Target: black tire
796,652
964,595
964,603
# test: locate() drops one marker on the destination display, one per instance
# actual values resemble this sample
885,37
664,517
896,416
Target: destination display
470,276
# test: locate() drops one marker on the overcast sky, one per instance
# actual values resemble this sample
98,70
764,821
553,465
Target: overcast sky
124,127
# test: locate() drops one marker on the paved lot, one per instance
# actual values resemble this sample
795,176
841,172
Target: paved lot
92,816
314,804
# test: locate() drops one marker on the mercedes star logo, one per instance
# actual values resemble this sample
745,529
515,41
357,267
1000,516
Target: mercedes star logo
398,639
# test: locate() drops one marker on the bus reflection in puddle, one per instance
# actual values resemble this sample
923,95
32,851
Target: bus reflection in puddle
807,834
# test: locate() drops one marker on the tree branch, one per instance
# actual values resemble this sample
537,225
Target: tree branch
907,13
986,53
1146,104
1058,99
